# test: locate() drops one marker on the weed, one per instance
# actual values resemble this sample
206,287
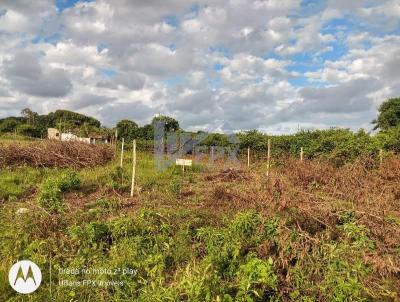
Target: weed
256,280
52,188
175,187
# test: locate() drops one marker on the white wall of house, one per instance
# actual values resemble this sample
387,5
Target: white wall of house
53,133
67,137
84,140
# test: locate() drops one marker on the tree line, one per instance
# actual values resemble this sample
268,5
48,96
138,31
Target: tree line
339,145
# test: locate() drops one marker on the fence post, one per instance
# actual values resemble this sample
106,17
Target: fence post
212,154
133,167
301,154
248,157
122,152
380,157
268,156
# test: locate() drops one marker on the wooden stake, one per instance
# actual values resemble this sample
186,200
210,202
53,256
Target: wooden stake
212,154
133,167
116,139
248,157
301,154
122,152
380,157
268,156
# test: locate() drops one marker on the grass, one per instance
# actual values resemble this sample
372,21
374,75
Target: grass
311,232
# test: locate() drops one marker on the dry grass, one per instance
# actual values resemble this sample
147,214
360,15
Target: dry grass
314,196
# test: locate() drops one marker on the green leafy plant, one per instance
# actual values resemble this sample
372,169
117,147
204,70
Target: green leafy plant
256,280
51,190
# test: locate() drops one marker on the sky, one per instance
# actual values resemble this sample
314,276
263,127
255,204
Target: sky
215,65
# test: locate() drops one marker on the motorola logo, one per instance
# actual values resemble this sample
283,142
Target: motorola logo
25,277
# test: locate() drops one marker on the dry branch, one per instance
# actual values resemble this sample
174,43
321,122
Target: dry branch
55,154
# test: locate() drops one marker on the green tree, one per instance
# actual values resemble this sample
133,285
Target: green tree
389,114
171,124
390,139
127,129
8,125
28,130
72,119
30,116
253,139
216,139
146,132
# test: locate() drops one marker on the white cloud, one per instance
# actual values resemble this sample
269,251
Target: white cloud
207,63
27,76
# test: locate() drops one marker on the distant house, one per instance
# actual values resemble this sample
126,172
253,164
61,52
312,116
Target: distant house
97,138
53,133
68,137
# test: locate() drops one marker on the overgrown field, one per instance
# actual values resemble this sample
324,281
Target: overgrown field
310,232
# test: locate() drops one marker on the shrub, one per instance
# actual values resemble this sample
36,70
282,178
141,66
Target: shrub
50,195
28,130
52,188
69,181
256,280
390,139
116,179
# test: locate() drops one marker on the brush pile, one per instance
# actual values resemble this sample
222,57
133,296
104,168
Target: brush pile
55,154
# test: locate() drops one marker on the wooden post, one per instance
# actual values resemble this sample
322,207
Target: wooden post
212,154
116,139
380,157
248,157
122,152
301,154
133,166
268,156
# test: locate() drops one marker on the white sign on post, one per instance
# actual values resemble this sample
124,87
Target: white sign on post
183,162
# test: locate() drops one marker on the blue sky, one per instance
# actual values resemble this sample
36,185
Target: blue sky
63,4
264,64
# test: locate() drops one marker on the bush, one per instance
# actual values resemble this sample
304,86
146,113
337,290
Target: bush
69,181
390,139
28,130
9,125
256,280
52,188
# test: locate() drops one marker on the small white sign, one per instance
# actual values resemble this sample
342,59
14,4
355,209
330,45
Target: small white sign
183,162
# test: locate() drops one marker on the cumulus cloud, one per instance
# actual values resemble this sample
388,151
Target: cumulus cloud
267,64
346,98
27,75
137,111
87,100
